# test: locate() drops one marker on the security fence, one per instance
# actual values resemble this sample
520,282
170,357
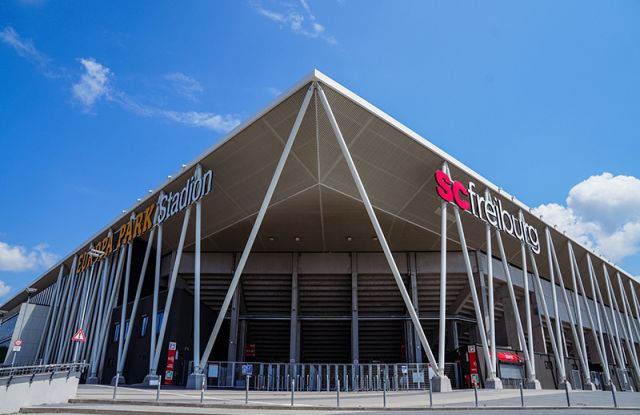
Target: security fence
325,377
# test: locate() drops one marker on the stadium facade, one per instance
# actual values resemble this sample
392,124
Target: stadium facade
324,242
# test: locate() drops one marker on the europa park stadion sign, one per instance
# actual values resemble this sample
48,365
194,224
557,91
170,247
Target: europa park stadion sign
142,221
486,209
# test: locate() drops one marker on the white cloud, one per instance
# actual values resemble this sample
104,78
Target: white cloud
184,85
4,289
216,122
603,213
93,84
274,91
18,258
294,18
26,49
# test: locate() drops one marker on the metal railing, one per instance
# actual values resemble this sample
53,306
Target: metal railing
69,368
321,376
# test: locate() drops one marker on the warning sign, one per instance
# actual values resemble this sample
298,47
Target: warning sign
79,336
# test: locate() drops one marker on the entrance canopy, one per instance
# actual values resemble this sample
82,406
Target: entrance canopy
316,206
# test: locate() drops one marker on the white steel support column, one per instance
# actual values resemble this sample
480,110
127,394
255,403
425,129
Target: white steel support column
106,318
355,342
172,286
52,314
527,311
442,326
89,294
105,287
441,382
88,321
533,383
610,333
474,297
576,339
256,227
154,308
635,302
564,383
588,385
492,317
602,353
294,342
631,336
413,275
195,378
616,312
123,311
554,344
136,300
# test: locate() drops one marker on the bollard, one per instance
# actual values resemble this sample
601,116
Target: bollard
475,392
384,394
430,395
158,390
292,390
338,392
521,395
566,390
246,391
613,393
115,385
202,390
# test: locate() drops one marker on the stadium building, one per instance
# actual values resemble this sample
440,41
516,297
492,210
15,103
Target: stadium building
323,243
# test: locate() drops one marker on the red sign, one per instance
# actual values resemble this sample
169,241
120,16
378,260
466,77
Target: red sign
79,337
250,350
509,357
171,362
17,343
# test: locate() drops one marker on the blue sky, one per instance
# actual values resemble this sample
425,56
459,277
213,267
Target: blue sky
99,102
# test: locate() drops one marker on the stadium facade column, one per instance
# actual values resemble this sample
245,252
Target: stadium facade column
154,306
89,321
413,275
532,380
196,378
576,339
442,324
618,313
123,312
97,361
635,319
602,355
563,382
494,381
355,339
294,341
588,385
440,382
256,227
474,295
533,383
45,338
94,340
599,299
155,358
136,301
64,337
555,345
631,336
52,316
87,307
